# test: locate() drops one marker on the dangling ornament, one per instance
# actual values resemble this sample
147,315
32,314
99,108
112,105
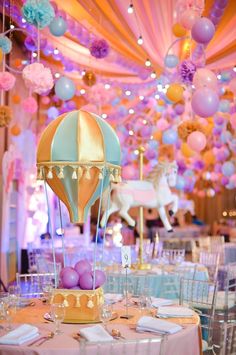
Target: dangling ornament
89,78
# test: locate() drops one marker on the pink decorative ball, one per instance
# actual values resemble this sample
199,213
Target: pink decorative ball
30,105
83,266
7,81
69,278
205,102
196,141
86,281
100,278
188,18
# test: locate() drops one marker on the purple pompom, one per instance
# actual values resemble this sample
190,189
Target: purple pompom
99,48
187,70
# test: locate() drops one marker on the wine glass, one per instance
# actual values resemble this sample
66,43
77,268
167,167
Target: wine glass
58,315
106,314
14,295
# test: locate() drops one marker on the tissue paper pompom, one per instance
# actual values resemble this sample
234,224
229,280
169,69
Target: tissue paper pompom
38,13
7,81
187,127
5,44
30,105
5,116
187,70
38,78
99,48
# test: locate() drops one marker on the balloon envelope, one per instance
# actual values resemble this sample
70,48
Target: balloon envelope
76,151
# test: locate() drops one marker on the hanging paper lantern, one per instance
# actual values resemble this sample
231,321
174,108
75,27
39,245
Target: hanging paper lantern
7,81
89,78
38,78
58,26
30,105
5,115
74,171
15,130
38,13
99,48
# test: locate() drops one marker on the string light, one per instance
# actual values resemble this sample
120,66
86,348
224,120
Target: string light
127,92
140,40
219,76
234,68
82,91
157,96
23,20
56,51
57,75
131,111
130,9
107,86
141,97
153,75
34,54
104,115
131,133
148,63
12,27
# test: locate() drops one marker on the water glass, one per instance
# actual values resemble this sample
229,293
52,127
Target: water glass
106,314
14,295
58,315
128,293
4,300
145,303
47,292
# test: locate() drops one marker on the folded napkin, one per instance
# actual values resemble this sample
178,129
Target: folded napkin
112,297
158,302
157,325
20,335
171,312
96,333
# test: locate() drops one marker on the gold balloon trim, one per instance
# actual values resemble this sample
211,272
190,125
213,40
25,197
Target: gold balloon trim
79,169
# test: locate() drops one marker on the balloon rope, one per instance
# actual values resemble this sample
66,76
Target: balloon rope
97,229
62,234
50,230
106,219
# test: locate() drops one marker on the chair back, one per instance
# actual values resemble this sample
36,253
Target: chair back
32,285
211,261
225,338
173,256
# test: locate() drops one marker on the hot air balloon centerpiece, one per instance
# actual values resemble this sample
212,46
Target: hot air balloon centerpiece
78,156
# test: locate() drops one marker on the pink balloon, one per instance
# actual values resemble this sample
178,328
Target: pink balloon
83,266
205,102
196,141
232,85
86,281
70,278
162,124
205,78
203,30
188,18
100,278
232,120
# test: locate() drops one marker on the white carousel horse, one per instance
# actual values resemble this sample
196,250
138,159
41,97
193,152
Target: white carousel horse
151,193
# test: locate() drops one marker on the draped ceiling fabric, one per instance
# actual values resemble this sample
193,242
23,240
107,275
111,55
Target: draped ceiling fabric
153,19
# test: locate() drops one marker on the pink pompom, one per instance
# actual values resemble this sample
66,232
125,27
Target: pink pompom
30,105
7,81
38,78
83,266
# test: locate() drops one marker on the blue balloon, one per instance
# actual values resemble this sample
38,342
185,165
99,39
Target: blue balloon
224,106
228,168
225,76
171,61
170,136
225,137
180,183
52,112
58,26
65,88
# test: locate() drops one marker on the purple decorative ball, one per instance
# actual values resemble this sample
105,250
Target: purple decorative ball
205,102
203,30
86,281
69,278
99,48
83,266
100,278
179,108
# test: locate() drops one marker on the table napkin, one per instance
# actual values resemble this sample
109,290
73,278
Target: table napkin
172,312
96,333
112,297
158,302
20,335
157,325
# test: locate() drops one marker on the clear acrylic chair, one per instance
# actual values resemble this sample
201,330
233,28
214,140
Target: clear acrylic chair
227,345
147,346
201,296
211,261
173,256
32,285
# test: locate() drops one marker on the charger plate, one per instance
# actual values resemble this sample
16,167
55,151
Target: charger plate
47,316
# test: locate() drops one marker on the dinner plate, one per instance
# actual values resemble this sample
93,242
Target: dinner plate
48,317
24,302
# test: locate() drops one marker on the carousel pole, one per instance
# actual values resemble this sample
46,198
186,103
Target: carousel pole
141,265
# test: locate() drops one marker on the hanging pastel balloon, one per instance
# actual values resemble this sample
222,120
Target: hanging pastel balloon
171,61
175,92
58,26
180,183
224,106
178,30
203,30
179,108
170,136
205,102
228,169
197,141
205,78
188,18
65,88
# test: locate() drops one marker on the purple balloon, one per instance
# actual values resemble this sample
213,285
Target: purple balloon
221,3
179,109
203,30
205,102
69,278
100,278
86,281
83,266
224,180
214,19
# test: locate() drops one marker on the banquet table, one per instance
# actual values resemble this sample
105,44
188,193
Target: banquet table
160,281
186,341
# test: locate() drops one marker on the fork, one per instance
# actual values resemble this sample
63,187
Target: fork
47,337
